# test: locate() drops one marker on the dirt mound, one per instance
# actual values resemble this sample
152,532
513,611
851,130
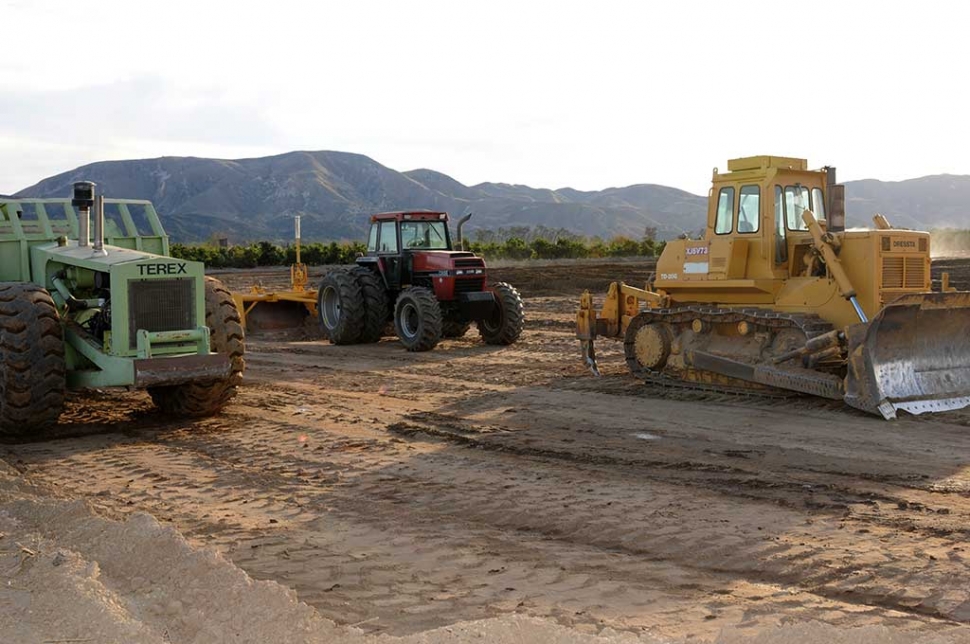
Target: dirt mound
72,575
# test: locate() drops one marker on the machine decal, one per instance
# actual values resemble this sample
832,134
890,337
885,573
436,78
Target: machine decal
169,268
696,267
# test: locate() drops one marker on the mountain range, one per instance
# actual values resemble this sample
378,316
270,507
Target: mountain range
249,199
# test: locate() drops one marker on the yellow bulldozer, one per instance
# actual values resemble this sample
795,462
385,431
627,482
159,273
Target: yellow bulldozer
778,295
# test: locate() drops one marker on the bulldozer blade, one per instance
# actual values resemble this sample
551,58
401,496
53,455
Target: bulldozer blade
913,356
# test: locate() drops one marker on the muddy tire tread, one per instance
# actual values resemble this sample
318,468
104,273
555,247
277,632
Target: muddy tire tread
429,311
376,309
352,309
33,373
513,316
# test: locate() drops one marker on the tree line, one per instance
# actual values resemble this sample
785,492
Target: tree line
266,253
519,242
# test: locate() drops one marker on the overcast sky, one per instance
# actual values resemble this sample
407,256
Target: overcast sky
550,94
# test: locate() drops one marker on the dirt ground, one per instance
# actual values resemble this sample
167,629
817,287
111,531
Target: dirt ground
400,493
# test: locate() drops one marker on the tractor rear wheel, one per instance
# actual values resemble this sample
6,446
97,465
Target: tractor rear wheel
198,399
32,369
504,325
340,305
417,319
454,327
375,304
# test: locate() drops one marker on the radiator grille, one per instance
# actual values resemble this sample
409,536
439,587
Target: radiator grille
903,272
915,273
892,272
475,262
469,285
160,305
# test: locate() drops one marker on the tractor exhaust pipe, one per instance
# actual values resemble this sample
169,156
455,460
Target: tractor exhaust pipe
461,224
82,198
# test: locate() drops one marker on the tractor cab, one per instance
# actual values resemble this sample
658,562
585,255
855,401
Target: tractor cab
408,247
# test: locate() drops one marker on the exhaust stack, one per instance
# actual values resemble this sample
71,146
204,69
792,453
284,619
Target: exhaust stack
835,213
83,199
461,224
99,226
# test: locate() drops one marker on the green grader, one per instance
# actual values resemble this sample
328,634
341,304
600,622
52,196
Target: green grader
78,313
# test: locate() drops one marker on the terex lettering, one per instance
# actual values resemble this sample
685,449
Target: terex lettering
171,268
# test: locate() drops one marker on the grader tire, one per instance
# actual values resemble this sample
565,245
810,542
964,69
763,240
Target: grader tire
375,304
417,319
504,326
32,369
199,399
341,308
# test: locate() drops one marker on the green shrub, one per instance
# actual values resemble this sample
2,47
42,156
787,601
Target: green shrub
518,243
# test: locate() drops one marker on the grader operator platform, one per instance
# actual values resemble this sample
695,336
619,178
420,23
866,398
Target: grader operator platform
779,295
77,313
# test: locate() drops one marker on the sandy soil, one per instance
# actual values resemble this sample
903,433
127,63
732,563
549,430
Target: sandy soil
488,493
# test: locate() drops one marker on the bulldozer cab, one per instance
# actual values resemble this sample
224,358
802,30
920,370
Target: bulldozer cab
754,220
758,248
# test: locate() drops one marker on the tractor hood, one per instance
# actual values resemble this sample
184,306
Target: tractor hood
434,260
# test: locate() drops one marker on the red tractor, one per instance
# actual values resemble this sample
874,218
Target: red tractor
413,276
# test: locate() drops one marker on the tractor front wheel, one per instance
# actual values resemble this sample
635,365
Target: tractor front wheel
340,305
198,399
504,325
32,369
417,319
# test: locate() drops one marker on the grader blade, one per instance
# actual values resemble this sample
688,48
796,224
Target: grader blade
913,356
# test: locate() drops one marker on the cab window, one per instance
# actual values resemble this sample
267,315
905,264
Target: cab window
781,235
388,237
749,209
424,234
724,223
372,239
818,203
796,202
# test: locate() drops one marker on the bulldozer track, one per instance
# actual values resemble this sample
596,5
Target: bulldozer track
763,319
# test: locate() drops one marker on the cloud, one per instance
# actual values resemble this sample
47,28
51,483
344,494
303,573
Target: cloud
146,107
45,132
